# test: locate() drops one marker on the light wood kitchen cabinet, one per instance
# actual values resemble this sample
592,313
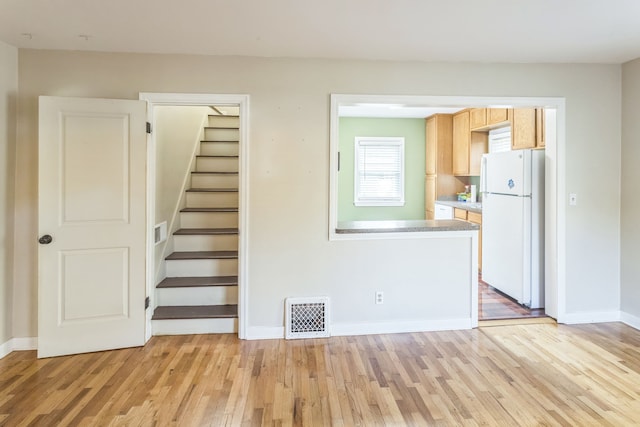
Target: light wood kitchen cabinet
461,143
483,119
468,146
523,128
477,117
498,115
460,214
439,180
430,196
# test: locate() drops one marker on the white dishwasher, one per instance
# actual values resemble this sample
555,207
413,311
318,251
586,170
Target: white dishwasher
443,211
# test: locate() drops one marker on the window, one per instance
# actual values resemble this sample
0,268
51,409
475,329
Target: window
379,171
500,140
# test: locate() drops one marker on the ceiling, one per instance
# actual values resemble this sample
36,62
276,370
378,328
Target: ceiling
520,31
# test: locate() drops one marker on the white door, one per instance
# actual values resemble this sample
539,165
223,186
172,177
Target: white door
91,196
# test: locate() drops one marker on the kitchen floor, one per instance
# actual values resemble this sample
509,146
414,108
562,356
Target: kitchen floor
494,305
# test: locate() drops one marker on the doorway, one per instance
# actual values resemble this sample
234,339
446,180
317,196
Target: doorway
554,170
240,105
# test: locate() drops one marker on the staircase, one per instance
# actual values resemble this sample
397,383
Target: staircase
200,292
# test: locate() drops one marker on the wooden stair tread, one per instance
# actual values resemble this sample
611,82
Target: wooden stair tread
193,282
221,127
220,140
205,231
230,156
195,312
209,210
215,173
212,190
203,255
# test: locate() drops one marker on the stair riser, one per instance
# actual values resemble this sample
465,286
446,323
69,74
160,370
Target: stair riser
186,243
207,200
221,134
209,219
201,267
214,181
217,164
222,121
209,295
194,326
219,148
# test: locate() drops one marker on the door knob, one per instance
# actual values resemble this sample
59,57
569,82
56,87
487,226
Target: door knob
45,240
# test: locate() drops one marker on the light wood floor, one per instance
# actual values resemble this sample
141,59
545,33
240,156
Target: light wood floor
528,375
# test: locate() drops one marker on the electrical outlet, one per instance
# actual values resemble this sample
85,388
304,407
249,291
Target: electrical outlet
379,297
573,199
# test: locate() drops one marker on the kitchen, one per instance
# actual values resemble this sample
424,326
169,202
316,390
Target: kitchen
453,143
505,188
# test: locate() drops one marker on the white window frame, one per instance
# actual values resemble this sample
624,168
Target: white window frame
377,200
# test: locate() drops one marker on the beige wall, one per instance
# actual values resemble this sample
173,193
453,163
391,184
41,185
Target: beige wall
289,252
8,95
630,215
177,130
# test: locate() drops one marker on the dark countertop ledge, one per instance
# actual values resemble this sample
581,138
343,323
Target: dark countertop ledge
407,226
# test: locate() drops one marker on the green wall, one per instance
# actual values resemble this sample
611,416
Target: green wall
413,131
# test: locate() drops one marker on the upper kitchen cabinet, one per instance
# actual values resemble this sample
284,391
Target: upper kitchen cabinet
487,118
439,174
468,146
523,128
527,128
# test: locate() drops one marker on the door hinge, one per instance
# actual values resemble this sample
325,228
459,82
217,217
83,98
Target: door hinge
338,161
148,127
147,301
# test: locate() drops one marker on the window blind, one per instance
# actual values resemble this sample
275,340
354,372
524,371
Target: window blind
379,172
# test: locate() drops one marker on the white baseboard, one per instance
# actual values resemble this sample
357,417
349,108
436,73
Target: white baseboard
342,329
591,317
630,319
18,344
6,348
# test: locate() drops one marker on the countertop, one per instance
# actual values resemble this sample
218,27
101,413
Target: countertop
472,207
352,227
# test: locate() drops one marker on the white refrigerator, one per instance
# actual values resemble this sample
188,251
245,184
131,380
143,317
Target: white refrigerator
512,187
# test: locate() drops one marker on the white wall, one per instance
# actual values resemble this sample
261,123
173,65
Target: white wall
630,215
177,132
289,253
8,96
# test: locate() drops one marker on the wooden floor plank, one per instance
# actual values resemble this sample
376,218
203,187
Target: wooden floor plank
537,374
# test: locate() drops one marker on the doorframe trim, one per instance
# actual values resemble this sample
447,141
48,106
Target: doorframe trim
197,99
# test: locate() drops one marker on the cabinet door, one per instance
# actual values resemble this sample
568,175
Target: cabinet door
431,145
523,131
461,140
430,195
460,214
477,118
540,141
497,115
